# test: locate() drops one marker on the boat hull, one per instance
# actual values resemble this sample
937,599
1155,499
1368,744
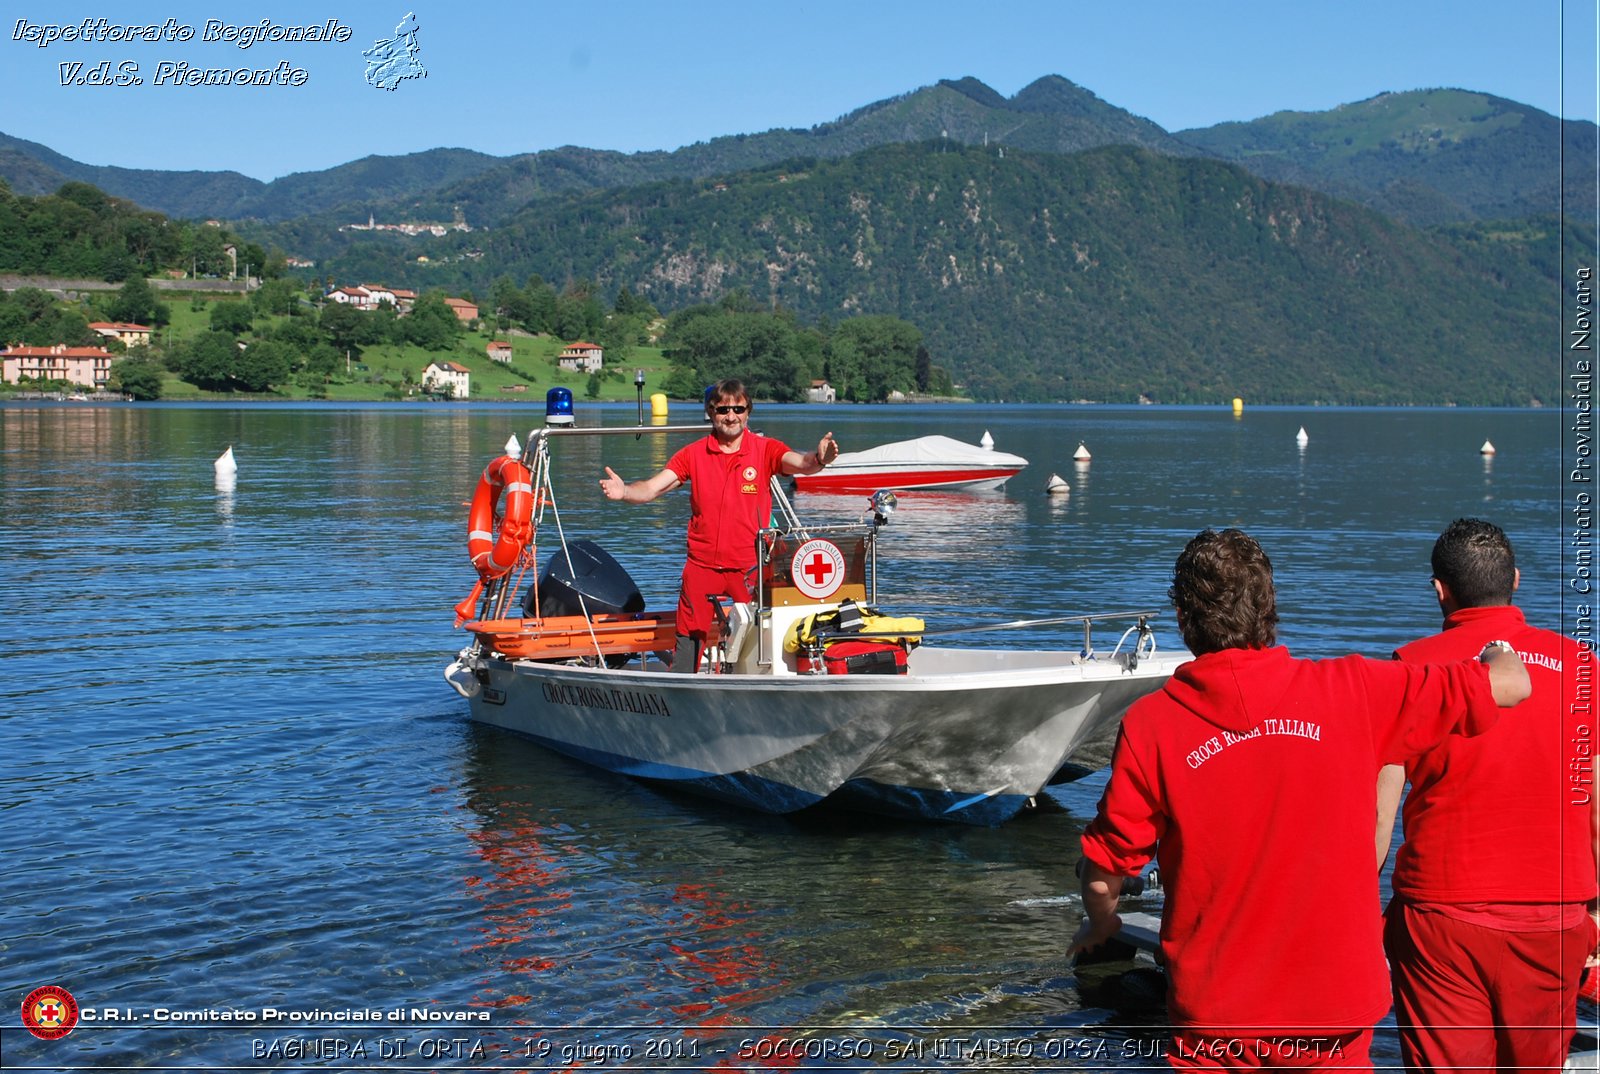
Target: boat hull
974,480
973,743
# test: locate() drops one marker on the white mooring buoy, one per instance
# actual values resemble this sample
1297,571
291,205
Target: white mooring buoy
1301,438
1486,449
226,476
1082,454
1057,486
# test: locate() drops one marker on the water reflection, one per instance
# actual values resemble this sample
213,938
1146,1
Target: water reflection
582,899
592,887
225,490
946,525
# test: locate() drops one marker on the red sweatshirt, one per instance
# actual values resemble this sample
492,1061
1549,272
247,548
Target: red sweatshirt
1252,778
1504,817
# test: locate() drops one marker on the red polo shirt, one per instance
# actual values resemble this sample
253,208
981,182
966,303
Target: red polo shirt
730,497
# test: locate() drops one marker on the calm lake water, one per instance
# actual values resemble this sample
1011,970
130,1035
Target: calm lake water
235,783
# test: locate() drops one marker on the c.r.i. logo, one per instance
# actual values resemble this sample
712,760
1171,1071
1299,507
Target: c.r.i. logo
50,1013
817,569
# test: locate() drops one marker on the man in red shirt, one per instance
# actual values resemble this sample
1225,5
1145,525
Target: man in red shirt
1250,777
1495,883
730,499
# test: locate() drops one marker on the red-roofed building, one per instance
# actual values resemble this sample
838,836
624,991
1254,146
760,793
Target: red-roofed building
499,350
582,357
359,297
132,335
447,378
88,366
377,293
464,310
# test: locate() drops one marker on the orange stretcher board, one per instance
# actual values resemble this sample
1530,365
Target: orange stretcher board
567,636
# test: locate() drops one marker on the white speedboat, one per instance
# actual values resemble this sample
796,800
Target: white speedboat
790,708
928,462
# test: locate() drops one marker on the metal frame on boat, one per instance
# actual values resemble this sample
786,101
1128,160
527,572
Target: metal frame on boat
948,733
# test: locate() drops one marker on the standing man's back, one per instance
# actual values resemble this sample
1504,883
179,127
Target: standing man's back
1249,777
1494,885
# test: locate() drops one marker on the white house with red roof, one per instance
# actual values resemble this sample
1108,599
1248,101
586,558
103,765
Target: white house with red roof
131,335
447,378
377,293
359,297
582,357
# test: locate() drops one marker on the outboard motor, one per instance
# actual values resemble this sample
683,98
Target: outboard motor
592,575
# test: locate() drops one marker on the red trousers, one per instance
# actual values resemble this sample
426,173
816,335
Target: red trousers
1468,997
700,584
1305,1049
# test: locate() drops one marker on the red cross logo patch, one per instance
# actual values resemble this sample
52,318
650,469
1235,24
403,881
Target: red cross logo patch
817,569
50,1013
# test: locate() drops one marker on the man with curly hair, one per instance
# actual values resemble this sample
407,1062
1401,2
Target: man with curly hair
1251,778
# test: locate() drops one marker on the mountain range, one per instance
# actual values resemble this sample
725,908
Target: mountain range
1427,156
1050,244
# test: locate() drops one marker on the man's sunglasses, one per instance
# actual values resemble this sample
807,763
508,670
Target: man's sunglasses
730,409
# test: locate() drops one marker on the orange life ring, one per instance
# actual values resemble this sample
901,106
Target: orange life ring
494,555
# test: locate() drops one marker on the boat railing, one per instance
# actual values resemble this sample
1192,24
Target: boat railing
547,432
1142,647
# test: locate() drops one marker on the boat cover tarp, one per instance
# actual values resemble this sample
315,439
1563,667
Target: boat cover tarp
927,452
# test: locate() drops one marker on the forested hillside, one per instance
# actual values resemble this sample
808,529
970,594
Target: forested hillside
1425,156
1108,275
80,232
1428,157
30,168
1050,115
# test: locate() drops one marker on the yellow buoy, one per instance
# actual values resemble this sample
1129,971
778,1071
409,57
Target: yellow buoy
1238,406
658,405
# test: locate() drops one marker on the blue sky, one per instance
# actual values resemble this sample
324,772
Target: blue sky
507,78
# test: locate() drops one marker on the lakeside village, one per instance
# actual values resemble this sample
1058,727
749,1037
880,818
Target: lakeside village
87,370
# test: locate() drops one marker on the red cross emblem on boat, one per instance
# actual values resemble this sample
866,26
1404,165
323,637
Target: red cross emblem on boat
817,569
50,1013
